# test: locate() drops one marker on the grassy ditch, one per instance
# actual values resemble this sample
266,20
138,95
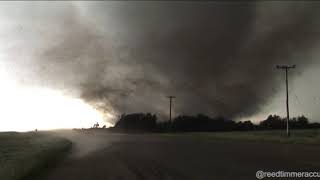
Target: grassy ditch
24,155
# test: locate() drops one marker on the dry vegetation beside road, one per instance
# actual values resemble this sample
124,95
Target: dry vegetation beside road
22,155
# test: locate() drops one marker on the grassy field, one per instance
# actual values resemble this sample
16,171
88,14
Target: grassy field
24,154
310,136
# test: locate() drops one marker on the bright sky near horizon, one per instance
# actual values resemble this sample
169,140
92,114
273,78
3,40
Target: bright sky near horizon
26,108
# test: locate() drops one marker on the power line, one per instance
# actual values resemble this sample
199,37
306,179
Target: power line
298,102
295,94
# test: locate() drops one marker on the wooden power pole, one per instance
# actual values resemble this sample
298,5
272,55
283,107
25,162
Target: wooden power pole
170,99
286,68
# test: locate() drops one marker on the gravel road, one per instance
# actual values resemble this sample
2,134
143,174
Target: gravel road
103,156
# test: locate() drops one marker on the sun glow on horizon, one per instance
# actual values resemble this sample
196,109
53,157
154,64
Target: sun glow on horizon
29,108
43,109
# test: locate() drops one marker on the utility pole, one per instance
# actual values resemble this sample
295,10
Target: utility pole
286,68
170,99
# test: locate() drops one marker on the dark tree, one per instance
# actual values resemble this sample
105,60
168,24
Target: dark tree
204,123
138,121
273,122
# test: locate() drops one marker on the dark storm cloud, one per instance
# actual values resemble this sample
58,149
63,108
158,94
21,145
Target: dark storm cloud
217,58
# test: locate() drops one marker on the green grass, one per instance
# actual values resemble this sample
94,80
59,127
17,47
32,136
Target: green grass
310,136
23,155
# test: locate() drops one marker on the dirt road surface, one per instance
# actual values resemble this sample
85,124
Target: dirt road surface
104,156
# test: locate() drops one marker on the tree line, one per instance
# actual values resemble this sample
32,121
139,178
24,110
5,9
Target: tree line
204,123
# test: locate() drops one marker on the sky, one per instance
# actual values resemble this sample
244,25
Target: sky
106,58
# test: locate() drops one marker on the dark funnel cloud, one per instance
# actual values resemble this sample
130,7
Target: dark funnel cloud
217,58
